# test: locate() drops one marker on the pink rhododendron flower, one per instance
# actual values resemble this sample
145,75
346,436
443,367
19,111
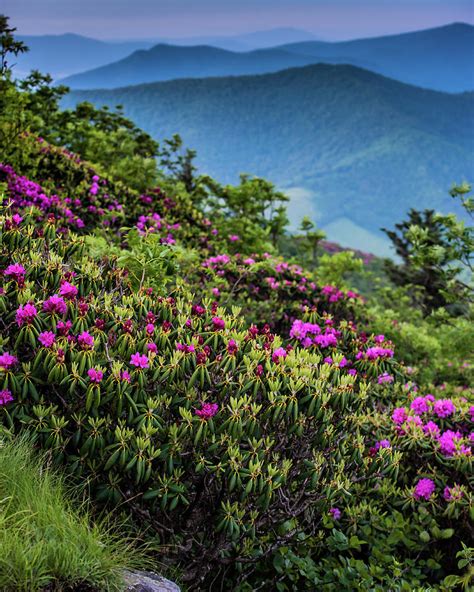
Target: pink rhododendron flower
63,327
420,405
414,420
68,290
232,347
217,260
444,407
7,361
85,340
305,332
150,328
448,442
326,340
431,429
5,397
55,304
47,338
335,513
207,410
279,353
399,415
187,349
424,489
453,494
95,375
139,360
218,323
385,378
152,347
25,314
16,271
125,376
374,353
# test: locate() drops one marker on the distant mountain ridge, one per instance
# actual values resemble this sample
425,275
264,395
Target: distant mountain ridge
62,55
354,144
441,59
69,53
168,62
245,41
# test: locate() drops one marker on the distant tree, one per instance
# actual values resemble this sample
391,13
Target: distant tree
338,268
436,253
9,46
13,121
253,203
179,162
312,236
277,224
42,103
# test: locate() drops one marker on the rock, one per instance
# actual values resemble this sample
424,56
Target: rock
145,581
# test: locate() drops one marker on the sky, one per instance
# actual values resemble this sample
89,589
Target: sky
133,19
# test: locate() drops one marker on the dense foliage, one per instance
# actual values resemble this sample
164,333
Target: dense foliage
270,429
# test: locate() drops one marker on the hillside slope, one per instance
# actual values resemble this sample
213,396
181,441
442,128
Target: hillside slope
362,146
441,59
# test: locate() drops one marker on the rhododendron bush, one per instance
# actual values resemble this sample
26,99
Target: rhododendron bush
179,410
220,431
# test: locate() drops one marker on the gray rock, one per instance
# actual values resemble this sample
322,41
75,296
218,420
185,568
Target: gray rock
145,581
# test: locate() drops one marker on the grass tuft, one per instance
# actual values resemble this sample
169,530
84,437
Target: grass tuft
45,542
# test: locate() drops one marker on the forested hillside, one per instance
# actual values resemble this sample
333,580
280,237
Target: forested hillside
366,147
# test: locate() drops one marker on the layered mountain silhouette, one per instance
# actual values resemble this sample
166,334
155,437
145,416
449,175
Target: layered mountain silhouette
168,62
440,59
356,145
67,54
62,55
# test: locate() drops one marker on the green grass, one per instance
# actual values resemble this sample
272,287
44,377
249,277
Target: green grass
45,542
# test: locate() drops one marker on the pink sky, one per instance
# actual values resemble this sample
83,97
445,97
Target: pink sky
329,19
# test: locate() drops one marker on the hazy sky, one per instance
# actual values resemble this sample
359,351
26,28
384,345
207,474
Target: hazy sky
330,19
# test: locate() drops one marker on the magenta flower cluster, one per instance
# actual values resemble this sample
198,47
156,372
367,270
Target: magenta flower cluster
309,334
207,411
5,397
424,489
450,442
